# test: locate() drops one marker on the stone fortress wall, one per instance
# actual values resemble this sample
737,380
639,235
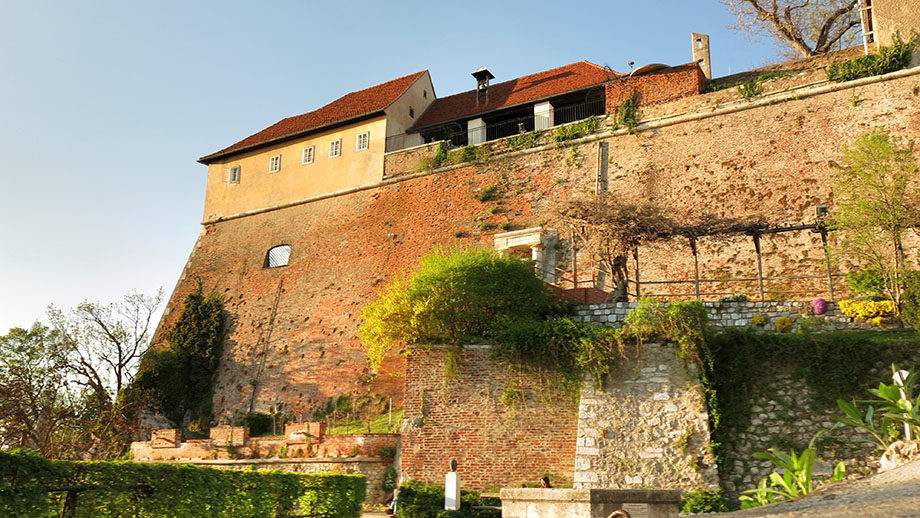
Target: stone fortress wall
291,333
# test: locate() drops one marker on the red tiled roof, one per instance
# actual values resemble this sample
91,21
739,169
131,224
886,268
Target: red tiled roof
517,91
356,104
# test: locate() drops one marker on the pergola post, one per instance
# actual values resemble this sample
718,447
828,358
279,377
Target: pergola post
759,265
696,267
636,257
827,262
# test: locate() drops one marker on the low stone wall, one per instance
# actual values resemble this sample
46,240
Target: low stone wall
371,467
300,440
588,503
647,427
731,314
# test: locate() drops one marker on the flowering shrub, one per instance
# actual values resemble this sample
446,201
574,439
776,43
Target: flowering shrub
818,306
759,320
783,324
873,310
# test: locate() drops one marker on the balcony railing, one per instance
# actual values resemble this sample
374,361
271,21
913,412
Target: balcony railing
458,136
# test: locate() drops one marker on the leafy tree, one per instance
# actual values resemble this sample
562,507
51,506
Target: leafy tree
453,297
60,387
36,408
808,27
878,202
180,377
105,342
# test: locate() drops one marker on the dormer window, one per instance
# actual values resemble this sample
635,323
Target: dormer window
361,144
274,164
278,256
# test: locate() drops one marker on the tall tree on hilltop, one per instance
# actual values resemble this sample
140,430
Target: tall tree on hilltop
809,27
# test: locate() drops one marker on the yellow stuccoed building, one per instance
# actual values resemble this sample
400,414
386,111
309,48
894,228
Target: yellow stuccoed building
337,147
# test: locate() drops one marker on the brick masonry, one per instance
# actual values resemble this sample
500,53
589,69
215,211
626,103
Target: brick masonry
656,87
463,418
774,159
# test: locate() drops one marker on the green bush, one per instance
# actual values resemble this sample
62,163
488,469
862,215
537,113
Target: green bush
179,491
910,299
702,501
783,324
454,297
333,494
419,500
887,59
866,283
389,479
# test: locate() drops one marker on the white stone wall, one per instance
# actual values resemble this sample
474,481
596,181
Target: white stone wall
647,427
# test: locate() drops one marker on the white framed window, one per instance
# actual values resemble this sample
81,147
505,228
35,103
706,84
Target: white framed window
274,164
361,143
308,155
278,256
335,148
233,176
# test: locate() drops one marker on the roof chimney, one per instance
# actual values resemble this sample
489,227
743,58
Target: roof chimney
482,76
701,53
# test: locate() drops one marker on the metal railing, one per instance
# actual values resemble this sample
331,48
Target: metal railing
458,136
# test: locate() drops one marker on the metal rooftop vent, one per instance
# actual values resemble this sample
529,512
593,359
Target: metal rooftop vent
482,76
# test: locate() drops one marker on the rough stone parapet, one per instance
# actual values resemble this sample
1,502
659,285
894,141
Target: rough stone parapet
732,314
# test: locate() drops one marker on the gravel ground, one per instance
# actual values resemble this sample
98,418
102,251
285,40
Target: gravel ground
892,494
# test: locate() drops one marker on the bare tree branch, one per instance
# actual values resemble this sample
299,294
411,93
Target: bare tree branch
811,27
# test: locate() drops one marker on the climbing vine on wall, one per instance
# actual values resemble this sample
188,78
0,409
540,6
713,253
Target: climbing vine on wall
180,377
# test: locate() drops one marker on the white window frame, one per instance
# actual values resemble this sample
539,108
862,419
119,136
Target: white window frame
308,154
363,141
335,148
274,164
233,175
278,256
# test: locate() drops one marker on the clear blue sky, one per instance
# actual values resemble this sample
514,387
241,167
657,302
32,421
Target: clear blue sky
106,105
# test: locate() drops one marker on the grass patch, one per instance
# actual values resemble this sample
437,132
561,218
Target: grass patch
379,424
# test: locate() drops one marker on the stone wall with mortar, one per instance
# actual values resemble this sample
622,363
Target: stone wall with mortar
291,338
784,415
734,314
463,418
647,427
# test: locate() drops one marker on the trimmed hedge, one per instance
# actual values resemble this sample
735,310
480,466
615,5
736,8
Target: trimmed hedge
177,491
419,500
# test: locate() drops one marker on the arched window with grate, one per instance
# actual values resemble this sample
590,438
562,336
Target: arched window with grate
278,256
